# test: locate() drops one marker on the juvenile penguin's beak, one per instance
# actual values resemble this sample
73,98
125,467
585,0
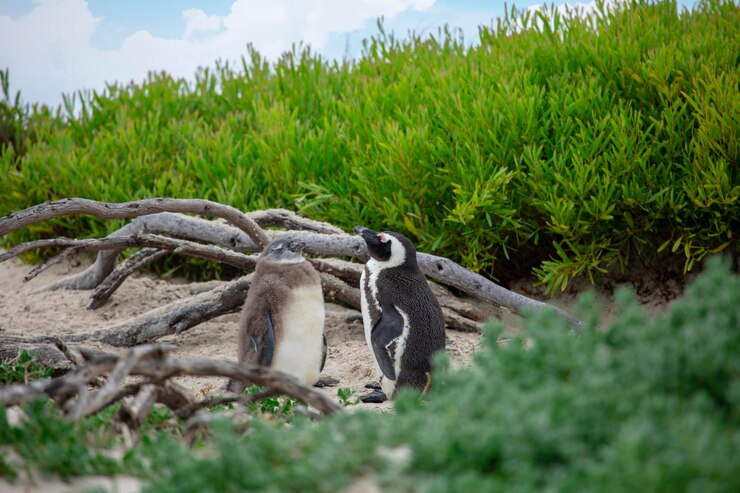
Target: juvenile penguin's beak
296,246
368,235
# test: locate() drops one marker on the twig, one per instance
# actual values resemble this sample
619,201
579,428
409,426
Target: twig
184,247
108,210
105,289
174,318
76,381
123,368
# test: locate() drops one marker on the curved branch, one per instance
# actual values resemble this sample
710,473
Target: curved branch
183,247
190,228
126,210
148,361
174,318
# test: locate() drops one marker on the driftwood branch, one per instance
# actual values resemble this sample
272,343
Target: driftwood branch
320,239
184,247
150,361
108,210
105,289
174,318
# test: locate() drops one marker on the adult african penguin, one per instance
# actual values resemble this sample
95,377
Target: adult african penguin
282,322
402,318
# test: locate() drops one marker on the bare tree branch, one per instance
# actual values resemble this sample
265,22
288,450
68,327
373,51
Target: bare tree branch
105,289
440,269
173,318
184,247
194,229
149,361
125,210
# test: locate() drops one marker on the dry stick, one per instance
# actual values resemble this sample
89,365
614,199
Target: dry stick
448,300
175,396
67,384
174,318
108,210
134,414
160,370
120,371
68,252
339,290
184,247
260,375
439,268
194,229
125,391
105,289
446,271
455,321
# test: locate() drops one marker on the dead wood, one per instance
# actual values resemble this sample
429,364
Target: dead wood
105,289
174,318
174,245
133,414
195,229
150,361
46,355
440,269
126,210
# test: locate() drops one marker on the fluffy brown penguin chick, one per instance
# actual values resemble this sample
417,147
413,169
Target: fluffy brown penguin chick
282,322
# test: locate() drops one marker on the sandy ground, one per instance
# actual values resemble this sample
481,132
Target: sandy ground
25,310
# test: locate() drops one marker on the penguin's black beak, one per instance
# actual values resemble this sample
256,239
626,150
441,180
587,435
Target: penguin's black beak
296,246
370,236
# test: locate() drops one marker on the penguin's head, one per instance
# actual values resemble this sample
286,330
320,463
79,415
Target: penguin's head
284,251
388,247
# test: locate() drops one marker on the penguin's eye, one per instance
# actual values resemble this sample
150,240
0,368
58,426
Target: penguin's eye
383,237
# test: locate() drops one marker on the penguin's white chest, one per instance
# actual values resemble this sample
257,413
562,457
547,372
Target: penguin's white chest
299,350
366,298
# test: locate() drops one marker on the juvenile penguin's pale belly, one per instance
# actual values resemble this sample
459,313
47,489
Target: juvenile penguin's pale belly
299,350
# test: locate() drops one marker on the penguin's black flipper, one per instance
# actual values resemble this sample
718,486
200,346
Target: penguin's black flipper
383,337
323,353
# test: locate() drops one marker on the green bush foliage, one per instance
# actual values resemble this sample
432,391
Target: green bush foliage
556,143
22,369
641,405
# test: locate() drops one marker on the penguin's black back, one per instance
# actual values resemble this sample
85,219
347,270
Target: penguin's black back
406,288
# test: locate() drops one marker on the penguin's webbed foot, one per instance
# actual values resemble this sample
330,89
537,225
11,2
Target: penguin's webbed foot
374,397
373,385
326,382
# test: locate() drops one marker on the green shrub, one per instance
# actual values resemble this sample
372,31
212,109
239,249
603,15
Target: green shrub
555,144
22,369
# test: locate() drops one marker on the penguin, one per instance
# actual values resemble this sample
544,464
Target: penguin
282,322
403,321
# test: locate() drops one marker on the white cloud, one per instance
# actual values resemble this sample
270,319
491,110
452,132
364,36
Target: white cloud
198,21
579,9
49,50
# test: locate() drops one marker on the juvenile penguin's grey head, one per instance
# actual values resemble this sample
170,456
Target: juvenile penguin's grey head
388,248
284,252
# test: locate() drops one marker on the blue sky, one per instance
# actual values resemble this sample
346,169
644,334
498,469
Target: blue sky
61,46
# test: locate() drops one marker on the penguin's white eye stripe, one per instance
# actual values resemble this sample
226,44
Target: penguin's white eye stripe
383,237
